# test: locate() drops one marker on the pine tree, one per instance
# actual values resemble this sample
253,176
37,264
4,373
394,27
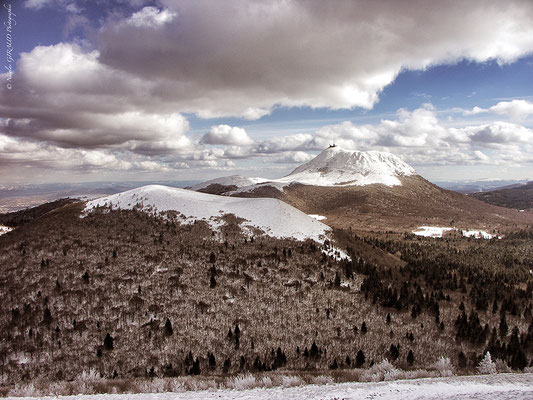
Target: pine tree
359,359
212,282
168,328
47,316
212,361
410,358
195,370
314,350
504,328
462,360
108,342
363,328
227,365
394,352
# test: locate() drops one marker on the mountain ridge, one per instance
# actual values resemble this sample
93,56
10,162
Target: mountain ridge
390,196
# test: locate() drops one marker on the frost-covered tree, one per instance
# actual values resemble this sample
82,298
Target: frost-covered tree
486,365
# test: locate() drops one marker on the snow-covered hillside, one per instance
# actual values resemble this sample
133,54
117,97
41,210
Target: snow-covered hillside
332,167
233,180
273,216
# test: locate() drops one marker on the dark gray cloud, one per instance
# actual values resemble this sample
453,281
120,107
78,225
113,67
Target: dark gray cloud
242,58
121,97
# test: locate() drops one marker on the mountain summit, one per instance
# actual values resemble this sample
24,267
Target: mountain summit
332,167
338,167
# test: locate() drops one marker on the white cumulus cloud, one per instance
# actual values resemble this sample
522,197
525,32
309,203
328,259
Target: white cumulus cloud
151,17
225,134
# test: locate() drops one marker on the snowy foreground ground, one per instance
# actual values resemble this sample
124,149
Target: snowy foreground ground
502,386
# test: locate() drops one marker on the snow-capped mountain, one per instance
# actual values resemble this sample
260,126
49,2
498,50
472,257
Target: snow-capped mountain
332,167
274,217
338,167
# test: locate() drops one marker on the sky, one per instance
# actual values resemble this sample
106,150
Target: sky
94,90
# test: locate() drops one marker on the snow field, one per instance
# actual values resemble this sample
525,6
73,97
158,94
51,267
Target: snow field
480,387
437,232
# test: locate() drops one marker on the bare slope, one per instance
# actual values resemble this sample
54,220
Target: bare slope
416,202
517,196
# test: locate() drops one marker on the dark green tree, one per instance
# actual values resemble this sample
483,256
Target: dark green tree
410,358
108,342
503,328
359,359
168,328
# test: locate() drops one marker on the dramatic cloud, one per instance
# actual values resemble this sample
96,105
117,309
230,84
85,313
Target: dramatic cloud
77,102
307,53
516,109
225,134
117,98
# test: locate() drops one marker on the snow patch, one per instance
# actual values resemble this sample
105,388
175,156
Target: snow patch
437,232
5,229
478,234
431,231
317,217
